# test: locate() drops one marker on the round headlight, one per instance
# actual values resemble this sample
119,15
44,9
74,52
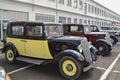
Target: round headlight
80,48
2,73
90,44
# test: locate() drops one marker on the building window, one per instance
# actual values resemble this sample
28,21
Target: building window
89,8
85,21
100,12
62,19
45,18
88,21
69,3
68,20
14,15
75,20
85,8
80,4
95,10
61,1
75,3
92,22
92,9
80,21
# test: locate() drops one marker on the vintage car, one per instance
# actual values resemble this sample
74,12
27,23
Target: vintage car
107,29
42,43
100,40
3,74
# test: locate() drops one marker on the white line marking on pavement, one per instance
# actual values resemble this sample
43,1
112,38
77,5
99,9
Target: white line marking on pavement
100,68
104,76
115,71
20,69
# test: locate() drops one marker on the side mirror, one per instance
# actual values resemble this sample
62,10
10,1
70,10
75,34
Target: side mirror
2,73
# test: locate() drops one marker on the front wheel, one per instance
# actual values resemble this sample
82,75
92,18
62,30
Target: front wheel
70,68
10,55
102,48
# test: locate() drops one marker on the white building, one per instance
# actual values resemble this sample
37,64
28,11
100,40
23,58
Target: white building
65,11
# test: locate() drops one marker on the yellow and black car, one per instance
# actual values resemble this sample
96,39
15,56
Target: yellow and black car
41,43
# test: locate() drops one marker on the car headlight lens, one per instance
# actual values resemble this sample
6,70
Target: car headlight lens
90,44
80,48
2,73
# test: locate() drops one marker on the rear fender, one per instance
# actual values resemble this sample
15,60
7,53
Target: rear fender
11,46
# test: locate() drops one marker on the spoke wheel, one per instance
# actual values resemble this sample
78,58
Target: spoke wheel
103,48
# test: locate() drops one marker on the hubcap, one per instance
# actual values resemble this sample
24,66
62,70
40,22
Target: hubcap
69,68
100,48
10,55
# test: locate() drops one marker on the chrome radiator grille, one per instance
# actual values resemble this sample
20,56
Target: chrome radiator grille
107,37
86,50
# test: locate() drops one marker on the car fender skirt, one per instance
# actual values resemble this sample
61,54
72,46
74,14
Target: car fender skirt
72,53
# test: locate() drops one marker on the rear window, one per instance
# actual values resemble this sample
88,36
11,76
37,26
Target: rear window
17,30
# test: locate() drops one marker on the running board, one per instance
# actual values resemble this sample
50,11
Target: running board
30,60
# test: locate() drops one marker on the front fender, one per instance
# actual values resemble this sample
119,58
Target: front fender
72,53
104,41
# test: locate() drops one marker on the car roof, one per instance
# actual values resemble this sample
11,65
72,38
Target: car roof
34,22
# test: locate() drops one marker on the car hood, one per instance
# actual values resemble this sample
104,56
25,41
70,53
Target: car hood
68,39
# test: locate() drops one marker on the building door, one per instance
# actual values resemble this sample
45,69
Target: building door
3,28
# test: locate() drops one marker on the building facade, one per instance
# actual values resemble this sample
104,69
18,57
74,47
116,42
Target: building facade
63,11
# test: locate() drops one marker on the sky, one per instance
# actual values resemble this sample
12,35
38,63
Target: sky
113,5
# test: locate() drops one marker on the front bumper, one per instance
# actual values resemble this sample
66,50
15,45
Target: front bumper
89,67
94,55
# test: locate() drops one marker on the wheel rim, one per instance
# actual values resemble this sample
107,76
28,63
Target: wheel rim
69,67
10,55
101,48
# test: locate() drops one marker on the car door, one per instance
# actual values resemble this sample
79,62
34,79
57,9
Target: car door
35,45
16,37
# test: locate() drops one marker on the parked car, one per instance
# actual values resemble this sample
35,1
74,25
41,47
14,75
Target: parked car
43,43
100,40
108,29
3,75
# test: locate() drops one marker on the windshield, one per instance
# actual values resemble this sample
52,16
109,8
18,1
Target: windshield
106,28
53,29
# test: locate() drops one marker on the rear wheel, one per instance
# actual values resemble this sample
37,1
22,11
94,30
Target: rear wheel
70,68
10,55
102,48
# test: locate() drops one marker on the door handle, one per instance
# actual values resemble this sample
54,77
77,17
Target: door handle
23,40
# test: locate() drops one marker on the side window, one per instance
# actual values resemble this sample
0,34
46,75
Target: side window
76,29
34,31
94,29
17,30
